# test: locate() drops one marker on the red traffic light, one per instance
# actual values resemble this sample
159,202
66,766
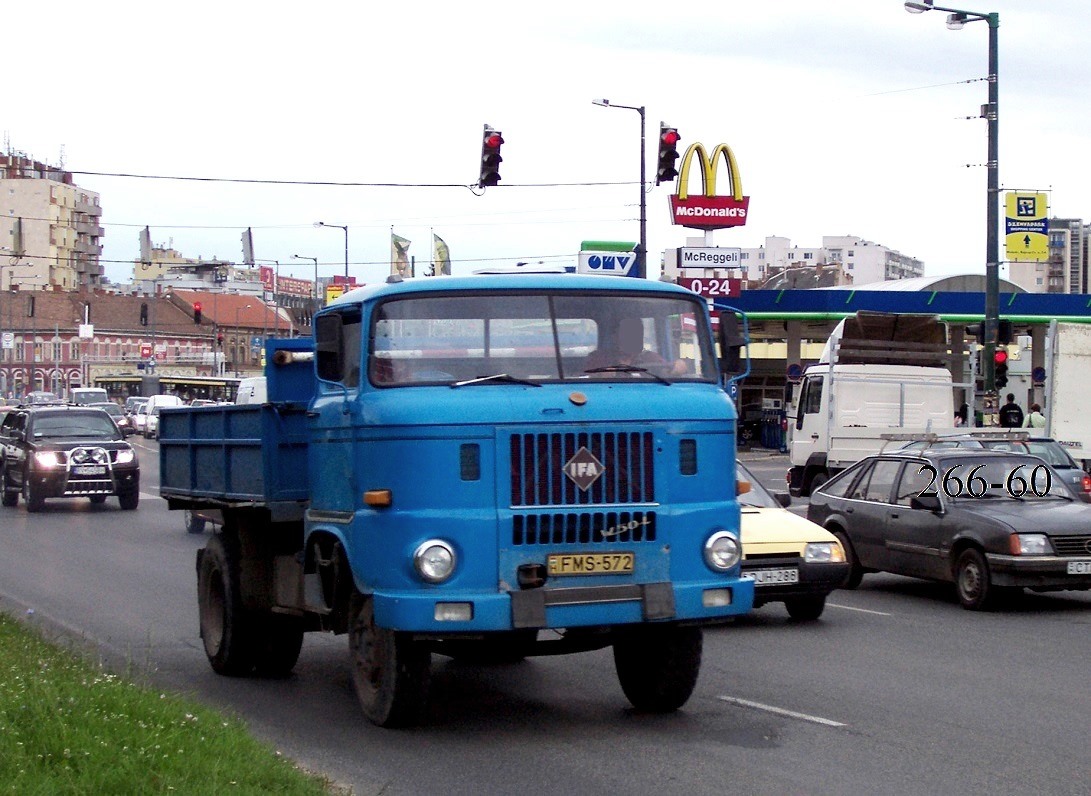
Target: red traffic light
196,306
670,137
493,140
1000,357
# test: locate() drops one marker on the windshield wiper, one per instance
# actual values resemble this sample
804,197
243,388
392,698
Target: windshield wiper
620,368
501,378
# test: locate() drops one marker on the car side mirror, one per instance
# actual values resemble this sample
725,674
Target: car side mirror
783,498
929,502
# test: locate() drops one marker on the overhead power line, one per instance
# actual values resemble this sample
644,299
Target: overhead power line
335,183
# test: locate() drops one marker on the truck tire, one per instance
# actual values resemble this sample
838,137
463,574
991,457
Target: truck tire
227,629
193,522
390,671
657,666
281,639
817,479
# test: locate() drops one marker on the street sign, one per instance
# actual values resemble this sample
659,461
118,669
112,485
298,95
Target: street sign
145,350
712,288
7,340
708,258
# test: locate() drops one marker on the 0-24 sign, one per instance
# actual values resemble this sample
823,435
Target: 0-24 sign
712,288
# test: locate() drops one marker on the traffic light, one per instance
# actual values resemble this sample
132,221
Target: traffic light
220,340
197,312
977,331
143,313
490,157
668,153
1000,362
1004,332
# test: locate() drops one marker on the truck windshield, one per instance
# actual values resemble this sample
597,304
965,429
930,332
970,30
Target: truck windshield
506,338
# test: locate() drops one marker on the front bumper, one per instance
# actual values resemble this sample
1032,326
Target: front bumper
544,608
815,579
62,483
1049,573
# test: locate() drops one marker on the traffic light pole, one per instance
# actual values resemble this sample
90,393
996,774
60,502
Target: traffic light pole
642,255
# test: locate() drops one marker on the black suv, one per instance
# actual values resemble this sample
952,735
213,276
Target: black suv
66,451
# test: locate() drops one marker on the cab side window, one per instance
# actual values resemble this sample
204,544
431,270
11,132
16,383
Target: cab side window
915,479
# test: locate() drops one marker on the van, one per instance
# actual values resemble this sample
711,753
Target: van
152,407
252,391
88,395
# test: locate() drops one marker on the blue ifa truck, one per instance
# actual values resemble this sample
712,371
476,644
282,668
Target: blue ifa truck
485,467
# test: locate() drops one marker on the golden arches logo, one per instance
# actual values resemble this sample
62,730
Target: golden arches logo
709,166
708,210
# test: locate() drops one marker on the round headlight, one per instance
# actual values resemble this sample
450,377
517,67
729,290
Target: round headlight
434,561
722,551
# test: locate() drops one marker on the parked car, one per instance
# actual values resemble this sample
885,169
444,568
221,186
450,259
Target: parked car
66,451
119,417
1052,451
990,522
789,558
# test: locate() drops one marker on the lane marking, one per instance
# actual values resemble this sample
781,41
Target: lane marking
861,610
746,703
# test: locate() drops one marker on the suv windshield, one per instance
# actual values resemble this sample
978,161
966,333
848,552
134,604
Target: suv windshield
539,337
74,425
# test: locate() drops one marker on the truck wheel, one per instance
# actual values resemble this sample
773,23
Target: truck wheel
389,670
817,480
129,501
193,522
226,628
32,497
805,609
280,640
658,666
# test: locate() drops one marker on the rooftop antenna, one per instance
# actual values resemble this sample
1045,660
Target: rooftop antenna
61,165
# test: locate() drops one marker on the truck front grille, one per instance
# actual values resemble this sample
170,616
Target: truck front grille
592,527
538,477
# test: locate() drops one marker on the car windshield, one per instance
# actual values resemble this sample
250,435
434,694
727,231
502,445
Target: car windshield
758,496
75,425
504,338
998,477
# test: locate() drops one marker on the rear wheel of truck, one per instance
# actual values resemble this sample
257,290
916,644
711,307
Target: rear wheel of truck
194,523
226,627
389,670
657,666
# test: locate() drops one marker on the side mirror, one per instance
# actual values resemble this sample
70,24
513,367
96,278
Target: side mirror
731,343
783,498
928,502
742,487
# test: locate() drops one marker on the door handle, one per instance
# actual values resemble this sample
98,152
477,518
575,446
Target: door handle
894,516
814,436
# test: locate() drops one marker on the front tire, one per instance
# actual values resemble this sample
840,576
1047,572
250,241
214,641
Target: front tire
32,496
974,582
97,500
9,496
805,609
856,572
658,665
390,671
227,630
129,501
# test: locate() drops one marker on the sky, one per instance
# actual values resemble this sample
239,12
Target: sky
845,118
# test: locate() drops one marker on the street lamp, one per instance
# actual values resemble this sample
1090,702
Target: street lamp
238,329
346,229
642,255
956,20
315,259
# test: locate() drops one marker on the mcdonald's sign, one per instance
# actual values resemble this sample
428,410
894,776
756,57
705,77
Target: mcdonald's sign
708,210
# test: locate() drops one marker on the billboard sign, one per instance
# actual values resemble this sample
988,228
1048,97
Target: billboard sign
609,263
709,210
709,258
1026,228
712,288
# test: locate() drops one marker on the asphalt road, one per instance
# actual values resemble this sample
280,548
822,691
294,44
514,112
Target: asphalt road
896,690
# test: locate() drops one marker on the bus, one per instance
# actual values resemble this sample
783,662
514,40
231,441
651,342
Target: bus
215,388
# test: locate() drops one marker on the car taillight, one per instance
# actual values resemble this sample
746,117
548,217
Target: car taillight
1086,483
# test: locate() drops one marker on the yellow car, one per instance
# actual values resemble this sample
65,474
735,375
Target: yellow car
789,558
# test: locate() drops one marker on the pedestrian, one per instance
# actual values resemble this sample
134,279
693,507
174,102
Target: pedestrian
1011,415
1036,419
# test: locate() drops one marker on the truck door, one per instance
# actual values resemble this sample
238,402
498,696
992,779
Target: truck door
809,433
339,361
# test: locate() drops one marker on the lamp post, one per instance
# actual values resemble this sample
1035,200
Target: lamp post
238,329
315,259
642,255
346,229
956,20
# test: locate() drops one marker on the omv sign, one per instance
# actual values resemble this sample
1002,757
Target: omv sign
609,263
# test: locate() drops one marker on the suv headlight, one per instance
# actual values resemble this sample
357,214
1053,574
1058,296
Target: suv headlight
47,459
823,553
722,551
125,456
1030,544
434,561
